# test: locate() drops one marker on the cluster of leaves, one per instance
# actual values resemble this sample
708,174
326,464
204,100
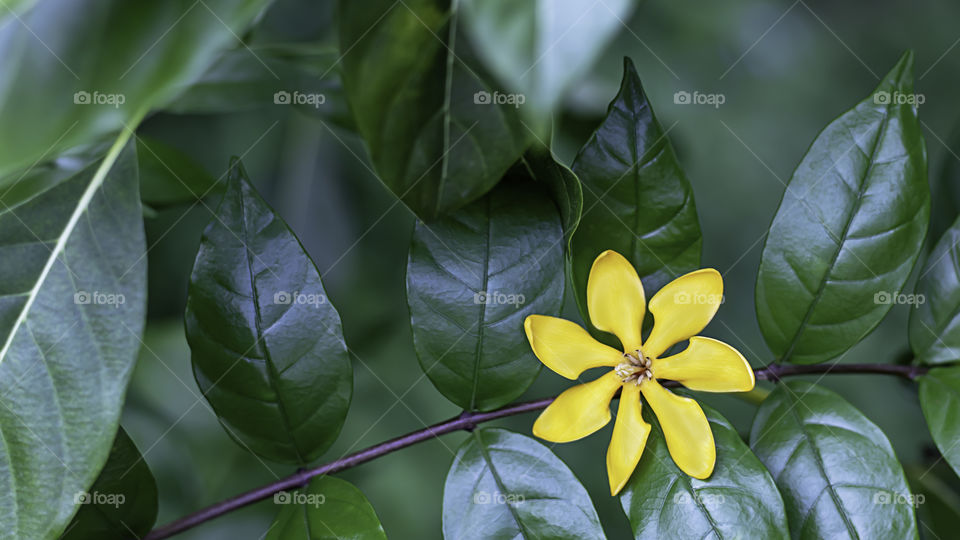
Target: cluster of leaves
506,229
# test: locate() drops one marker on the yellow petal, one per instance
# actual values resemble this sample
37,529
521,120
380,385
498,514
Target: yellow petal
629,437
682,308
579,411
615,299
685,429
707,365
567,348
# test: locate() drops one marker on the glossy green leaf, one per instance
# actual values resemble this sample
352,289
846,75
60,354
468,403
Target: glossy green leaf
935,323
302,75
168,176
328,509
122,502
849,227
472,278
72,308
267,347
940,400
836,470
739,500
539,47
435,137
503,485
91,79
637,200
563,184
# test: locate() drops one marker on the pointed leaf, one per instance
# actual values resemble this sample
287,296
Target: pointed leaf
122,503
472,278
935,323
836,470
328,509
739,500
940,399
72,308
636,198
849,227
435,138
506,485
266,343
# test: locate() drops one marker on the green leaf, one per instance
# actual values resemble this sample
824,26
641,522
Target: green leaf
836,470
940,400
849,227
472,279
140,53
434,141
269,75
168,176
637,200
122,503
739,500
538,47
935,323
563,184
72,308
506,485
266,343
328,509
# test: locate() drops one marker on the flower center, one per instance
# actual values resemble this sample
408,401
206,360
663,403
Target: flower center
636,368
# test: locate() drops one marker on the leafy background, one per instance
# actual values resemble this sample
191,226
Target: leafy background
786,69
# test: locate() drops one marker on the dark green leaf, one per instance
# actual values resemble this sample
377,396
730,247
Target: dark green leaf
140,53
935,323
168,176
563,184
940,399
72,308
472,278
637,200
434,140
849,227
266,343
122,503
539,48
505,485
739,500
273,75
836,470
328,509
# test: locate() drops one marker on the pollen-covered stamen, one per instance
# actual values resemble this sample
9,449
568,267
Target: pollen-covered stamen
635,369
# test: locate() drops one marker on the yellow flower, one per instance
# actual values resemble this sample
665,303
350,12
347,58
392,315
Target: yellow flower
615,302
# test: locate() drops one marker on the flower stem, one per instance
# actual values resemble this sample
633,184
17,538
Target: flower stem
468,421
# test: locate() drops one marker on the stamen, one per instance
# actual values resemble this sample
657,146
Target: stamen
636,369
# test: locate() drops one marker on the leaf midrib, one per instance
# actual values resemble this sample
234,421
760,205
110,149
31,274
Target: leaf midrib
478,352
500,487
